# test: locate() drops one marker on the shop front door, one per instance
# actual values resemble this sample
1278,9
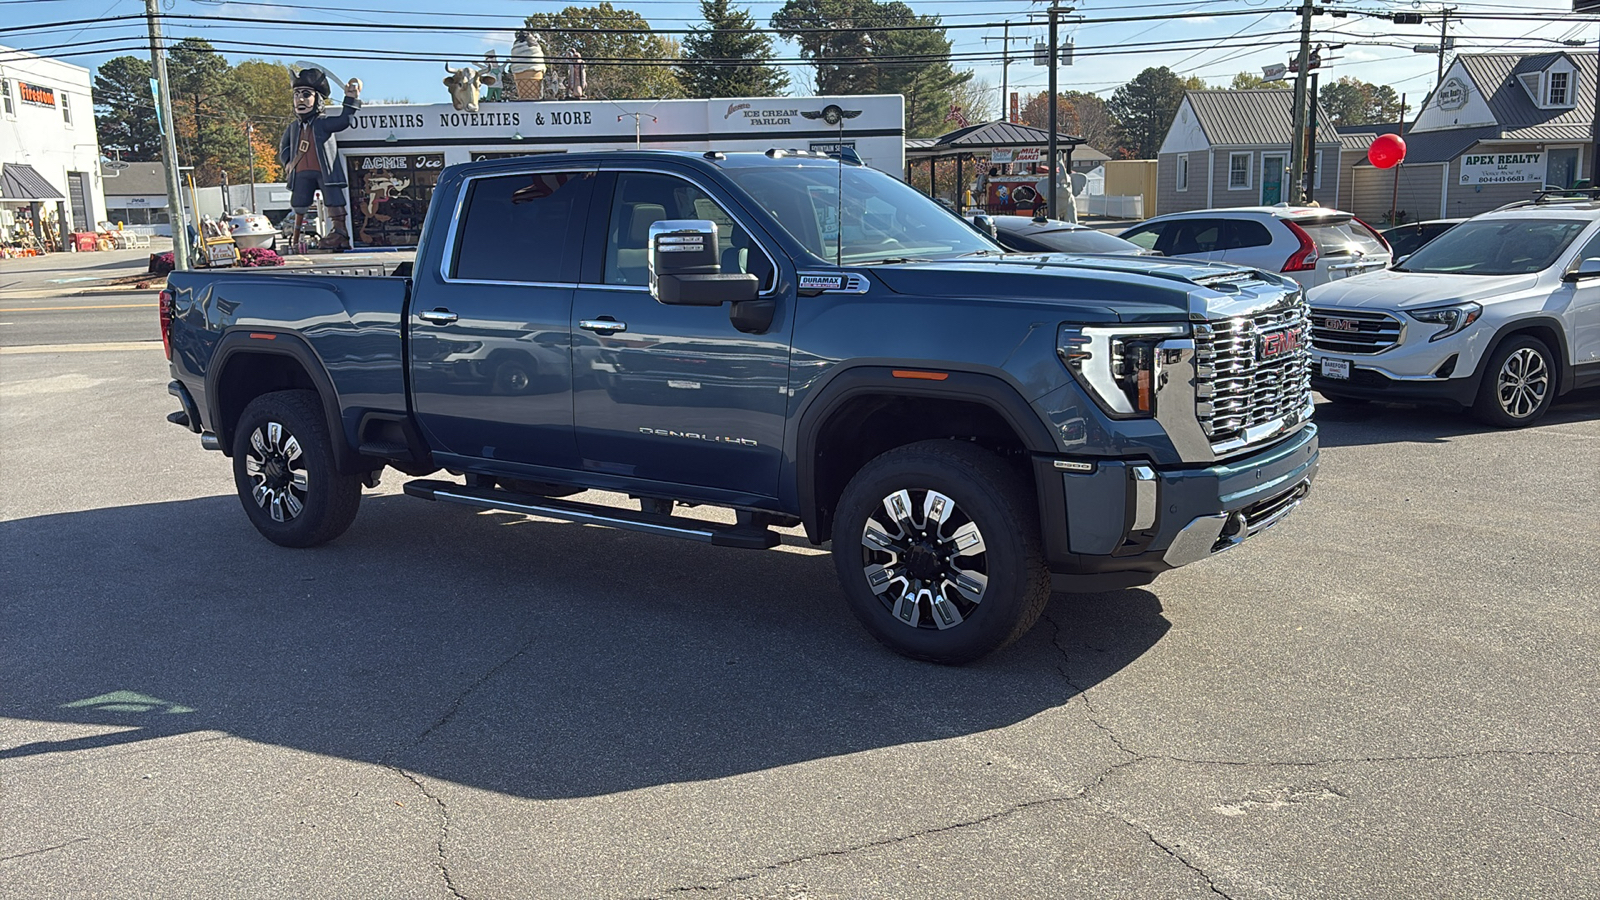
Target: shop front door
1272,171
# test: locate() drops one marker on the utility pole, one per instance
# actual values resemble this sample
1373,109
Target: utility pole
1311,144
1444,39
1050,200
169,140
250,152
1297,151
1005,68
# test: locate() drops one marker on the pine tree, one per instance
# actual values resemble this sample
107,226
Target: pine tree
729,35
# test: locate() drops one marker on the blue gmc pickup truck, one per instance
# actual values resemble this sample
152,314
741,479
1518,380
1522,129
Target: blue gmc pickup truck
796,338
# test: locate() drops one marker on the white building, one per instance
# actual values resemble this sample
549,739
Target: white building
49,154
392,155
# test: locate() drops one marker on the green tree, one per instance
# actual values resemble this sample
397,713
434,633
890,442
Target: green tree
205,110
845,42
729,35
1078,113
124,113
645,72
1350,101
1143,109
1245,81
262,99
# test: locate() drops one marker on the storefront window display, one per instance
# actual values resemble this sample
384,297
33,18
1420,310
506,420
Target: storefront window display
392,192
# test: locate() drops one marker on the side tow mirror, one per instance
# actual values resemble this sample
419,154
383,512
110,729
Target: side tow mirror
1589,268
986,225
686,266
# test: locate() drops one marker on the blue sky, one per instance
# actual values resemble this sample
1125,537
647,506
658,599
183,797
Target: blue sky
1218,39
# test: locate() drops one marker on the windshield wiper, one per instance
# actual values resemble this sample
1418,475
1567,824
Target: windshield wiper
982,253
891,260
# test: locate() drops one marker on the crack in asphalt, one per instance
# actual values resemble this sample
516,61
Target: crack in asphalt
455,705
76,840
441,862
1082,692
1172,852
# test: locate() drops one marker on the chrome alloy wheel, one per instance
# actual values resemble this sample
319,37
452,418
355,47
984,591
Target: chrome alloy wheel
1522,382
925,559
275,465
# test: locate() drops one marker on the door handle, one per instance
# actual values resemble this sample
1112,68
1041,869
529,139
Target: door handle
438,316
602,325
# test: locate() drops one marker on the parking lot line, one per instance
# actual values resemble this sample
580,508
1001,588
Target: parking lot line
82,348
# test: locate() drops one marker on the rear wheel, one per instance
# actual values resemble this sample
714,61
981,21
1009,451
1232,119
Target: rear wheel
937,547
1519,383
285,472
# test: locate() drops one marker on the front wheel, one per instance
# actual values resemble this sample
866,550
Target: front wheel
285,472
1519,384
937,548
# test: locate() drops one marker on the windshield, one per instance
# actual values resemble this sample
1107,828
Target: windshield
1495,247
1070,240
881,218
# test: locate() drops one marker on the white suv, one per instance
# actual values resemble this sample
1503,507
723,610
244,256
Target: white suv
1310,244
1500,315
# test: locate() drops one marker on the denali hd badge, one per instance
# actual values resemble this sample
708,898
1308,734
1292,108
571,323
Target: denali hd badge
1277,343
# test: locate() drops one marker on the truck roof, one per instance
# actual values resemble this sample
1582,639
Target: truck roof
777,156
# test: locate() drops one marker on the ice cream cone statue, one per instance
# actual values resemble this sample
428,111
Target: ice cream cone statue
527,67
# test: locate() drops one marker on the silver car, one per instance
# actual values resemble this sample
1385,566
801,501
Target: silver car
1310,244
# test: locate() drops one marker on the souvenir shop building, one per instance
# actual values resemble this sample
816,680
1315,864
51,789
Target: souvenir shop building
49,155
393,155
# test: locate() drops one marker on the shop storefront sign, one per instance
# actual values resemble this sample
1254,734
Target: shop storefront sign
1502,168
34,95
390,194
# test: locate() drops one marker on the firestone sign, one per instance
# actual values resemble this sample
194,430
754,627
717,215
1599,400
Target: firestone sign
1502,168
35,95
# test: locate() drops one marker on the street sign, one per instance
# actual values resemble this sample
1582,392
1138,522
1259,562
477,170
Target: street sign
1277,71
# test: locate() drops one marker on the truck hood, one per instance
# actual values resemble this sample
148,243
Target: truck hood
1126,288
1414,290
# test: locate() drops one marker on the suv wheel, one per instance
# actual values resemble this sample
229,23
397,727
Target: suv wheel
284,469
938,550
1519,384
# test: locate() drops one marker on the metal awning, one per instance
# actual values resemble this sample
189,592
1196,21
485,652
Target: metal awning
21,183
987,137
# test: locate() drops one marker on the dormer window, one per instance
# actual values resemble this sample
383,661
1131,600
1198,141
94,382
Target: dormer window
1558,89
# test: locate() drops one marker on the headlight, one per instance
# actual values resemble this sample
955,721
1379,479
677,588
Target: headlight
1453,318
1118,364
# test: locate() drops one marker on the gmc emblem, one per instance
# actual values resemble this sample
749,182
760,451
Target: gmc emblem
1277,343
1341,325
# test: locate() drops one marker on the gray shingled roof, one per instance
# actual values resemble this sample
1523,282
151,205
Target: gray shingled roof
997,134
139,179
1253,117
24,183
1511,105
1360,137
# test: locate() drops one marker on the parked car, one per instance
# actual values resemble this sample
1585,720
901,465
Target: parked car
1310,244
1407,239
1500,314
1026,234
791,338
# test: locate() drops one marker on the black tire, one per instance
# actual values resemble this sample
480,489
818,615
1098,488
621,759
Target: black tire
295,499
1518,384
927,579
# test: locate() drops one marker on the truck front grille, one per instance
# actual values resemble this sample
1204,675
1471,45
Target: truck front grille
1252,370
1353,330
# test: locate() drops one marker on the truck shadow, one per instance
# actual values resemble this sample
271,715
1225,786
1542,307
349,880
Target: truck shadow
1394,423
536,659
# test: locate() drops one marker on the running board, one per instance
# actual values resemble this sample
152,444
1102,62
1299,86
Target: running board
741,536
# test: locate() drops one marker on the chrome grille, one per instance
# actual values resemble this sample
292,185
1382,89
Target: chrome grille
1237,389
1353,330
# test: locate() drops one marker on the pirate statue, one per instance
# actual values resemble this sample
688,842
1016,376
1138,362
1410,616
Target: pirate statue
309,153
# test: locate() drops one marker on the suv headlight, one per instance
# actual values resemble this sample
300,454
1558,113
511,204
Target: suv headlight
1118,364
1454,317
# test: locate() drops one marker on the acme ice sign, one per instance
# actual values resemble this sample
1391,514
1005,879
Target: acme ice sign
1502,168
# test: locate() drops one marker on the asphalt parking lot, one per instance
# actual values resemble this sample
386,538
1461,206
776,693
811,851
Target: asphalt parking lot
1392,694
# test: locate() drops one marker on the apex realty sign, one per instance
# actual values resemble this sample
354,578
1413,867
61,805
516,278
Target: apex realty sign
1502,168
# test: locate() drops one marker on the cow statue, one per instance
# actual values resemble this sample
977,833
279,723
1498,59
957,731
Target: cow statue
464,83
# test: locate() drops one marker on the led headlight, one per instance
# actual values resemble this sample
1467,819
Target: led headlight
1454,317
1118,363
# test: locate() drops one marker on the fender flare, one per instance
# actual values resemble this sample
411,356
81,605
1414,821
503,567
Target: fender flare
278,342
991,391
1563,365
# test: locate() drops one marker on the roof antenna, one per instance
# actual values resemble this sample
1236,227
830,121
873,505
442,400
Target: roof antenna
844,155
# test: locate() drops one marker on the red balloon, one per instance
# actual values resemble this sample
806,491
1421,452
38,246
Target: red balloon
1387,151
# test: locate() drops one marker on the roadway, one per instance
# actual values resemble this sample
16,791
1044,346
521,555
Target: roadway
1391,694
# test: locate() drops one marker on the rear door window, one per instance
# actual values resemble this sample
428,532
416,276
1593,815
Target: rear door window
523,228
1242,234
1193,237
1343,237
